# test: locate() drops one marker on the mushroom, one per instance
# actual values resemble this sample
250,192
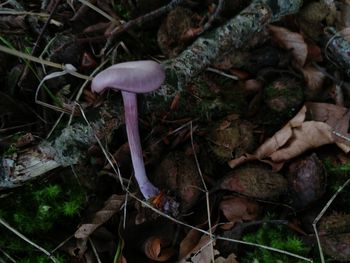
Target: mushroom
132,78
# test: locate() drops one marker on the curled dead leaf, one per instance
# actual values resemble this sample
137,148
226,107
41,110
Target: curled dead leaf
157,249
189,242
291,40
329,124
201,253
112,206
314,79
230,259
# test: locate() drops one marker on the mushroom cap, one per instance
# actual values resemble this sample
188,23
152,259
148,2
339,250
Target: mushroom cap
135,76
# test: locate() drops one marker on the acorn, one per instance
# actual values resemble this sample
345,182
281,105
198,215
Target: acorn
306,180
179,173
283,95
231,138
256,181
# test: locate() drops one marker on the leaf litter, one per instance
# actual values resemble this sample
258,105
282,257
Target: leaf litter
278,167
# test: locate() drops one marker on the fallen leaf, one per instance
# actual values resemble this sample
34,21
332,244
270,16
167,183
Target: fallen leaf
230,259
309,135
314,52
337,117
189,242
314,79
237,209
112,206
156,249
296,137
281,137
201,253
291,40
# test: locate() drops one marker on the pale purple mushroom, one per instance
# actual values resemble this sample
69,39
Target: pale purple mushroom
132,78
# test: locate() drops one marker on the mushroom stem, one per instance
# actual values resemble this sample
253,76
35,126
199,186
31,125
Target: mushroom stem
148,190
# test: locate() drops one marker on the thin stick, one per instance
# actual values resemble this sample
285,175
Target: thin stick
2,222
95,251
206,196
61,244
8,256
98,10
219,72
314,223
37,42
19,54
142,19
264,247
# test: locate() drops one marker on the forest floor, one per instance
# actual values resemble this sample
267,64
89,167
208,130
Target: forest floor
244,131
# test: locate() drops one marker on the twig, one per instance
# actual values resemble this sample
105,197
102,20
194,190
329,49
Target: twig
22,55
264,247
142,19
98,10
218,10
61,244
219,72
8,256
232,35
323,211
37,42
95,251
2,222
206,195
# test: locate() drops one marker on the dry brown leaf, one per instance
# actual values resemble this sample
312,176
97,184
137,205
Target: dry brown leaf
294,138
291,40
237,209
230,259
314,79
201,253
112,206
336,117
189,242
281,137
309,135
156,249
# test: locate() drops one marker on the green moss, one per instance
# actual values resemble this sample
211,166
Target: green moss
37,212
277,237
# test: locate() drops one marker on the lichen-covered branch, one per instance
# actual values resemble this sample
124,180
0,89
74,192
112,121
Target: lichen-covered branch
67,149
337,50
234,34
